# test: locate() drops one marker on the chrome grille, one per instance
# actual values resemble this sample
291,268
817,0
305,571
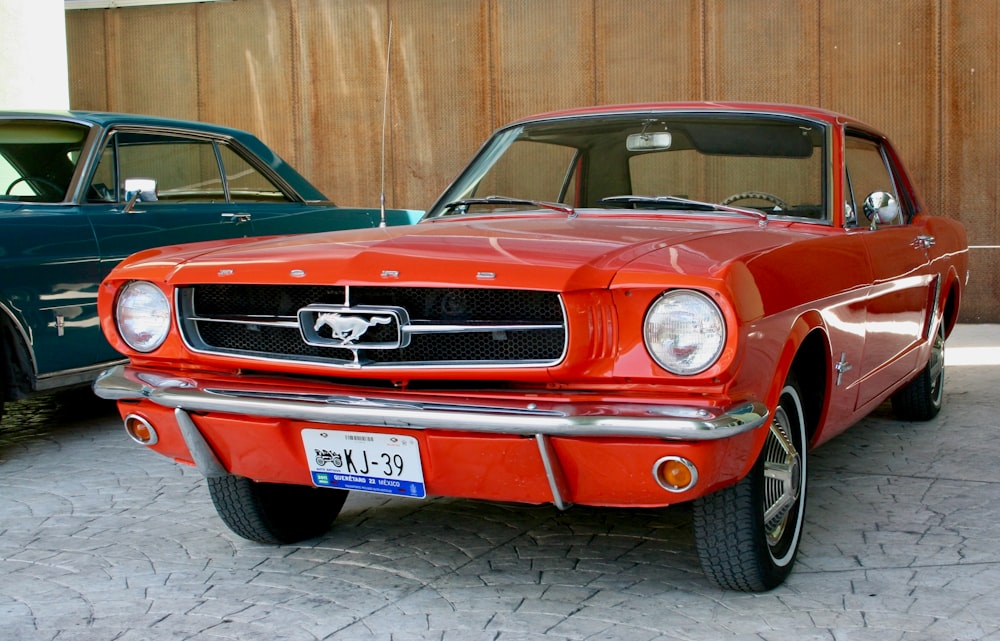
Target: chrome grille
442,327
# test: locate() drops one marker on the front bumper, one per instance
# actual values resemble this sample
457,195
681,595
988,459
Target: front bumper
552,423
524,417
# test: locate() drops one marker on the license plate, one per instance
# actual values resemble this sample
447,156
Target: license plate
365,461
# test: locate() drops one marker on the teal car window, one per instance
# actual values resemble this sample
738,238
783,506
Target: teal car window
102,185
178,169
184,169
37,159
246,184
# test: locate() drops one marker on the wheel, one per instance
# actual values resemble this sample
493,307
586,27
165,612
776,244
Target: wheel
756,195
921,398
4,369
747,535
273,512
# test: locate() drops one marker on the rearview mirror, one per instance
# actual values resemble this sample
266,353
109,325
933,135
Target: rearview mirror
649,141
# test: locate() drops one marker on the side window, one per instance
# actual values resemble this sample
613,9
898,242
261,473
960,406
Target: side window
38,159
102,185
246,184
533,171
867,173
184,169
177,169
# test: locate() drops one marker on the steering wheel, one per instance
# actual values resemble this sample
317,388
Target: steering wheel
56,189
756,195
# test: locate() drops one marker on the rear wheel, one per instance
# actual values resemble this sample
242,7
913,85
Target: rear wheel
922,397
748,534
274,512
4,373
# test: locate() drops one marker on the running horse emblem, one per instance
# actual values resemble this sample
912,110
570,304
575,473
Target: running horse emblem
348,329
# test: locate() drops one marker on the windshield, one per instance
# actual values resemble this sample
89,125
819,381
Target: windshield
771,164
38,158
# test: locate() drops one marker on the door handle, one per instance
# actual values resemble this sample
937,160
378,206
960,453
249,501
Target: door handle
923,241
236,218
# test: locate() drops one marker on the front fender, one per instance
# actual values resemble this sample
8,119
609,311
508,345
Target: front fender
802,347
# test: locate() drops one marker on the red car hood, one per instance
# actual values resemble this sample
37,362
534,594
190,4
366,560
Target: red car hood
552,252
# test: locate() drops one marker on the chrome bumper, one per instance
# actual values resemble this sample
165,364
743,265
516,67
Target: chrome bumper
522,417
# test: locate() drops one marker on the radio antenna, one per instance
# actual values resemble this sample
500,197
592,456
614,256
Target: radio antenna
385,112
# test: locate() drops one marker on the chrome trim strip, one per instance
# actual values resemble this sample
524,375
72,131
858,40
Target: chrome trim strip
67,377
566,419
269,321
415,328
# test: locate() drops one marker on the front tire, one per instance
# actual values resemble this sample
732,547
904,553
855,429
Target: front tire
921,399
747,535
274,512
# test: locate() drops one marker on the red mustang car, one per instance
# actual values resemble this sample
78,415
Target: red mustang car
637,305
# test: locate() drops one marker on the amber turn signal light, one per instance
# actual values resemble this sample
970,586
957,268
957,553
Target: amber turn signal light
675,473
140,430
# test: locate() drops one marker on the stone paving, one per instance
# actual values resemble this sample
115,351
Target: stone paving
101,540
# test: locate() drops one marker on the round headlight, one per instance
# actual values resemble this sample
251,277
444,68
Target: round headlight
142,315
684,332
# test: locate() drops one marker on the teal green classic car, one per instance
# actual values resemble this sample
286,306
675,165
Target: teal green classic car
79,191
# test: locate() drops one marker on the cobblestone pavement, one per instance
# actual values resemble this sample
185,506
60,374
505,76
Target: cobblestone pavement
101,540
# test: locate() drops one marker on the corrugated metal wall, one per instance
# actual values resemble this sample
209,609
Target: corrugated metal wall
307,76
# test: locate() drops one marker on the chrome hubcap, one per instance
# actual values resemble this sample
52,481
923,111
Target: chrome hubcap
936,367
782,478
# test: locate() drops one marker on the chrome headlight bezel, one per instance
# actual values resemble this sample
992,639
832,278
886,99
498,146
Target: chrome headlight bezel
142,315
684,331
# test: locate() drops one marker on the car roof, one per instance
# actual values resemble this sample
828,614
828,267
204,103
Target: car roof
108,118
812,113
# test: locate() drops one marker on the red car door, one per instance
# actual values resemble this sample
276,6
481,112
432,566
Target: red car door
902,285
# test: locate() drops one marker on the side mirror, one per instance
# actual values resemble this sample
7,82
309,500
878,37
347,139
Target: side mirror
881,208
144,189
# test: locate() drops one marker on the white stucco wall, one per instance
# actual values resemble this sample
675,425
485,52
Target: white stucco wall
35,73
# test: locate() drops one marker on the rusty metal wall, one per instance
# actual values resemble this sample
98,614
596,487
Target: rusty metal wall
308,76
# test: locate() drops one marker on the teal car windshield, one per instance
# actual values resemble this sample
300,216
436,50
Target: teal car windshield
38,158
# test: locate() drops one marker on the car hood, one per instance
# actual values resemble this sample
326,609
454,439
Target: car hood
552,252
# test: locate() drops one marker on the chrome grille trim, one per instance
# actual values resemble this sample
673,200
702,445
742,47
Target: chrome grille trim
451,328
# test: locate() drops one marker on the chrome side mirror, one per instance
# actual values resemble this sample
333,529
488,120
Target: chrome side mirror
138,189
144,187
881,208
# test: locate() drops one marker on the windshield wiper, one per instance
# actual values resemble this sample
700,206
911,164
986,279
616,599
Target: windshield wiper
462,206
674,202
